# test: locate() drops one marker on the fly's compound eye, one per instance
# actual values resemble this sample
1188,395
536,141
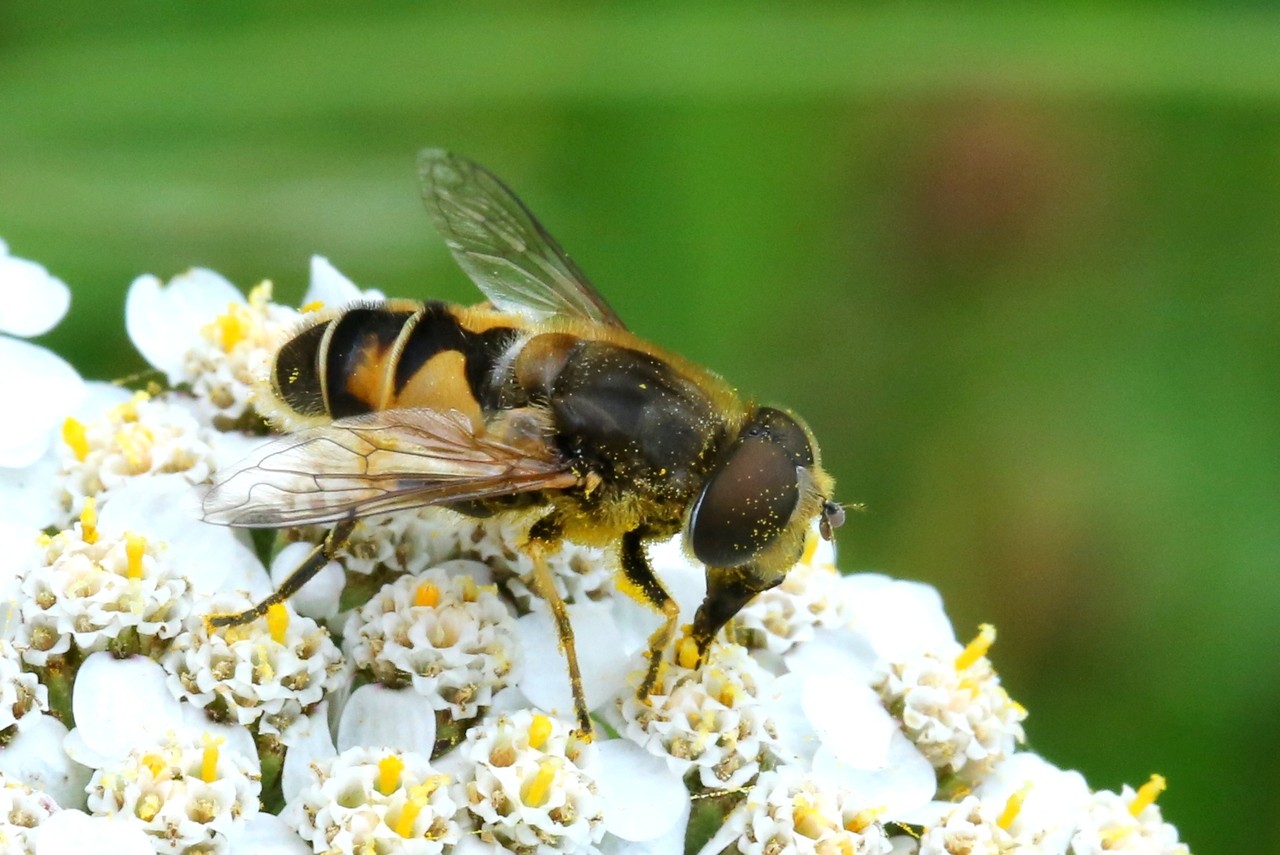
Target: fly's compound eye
751,496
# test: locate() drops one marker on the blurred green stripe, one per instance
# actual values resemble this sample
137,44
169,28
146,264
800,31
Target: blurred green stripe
729,53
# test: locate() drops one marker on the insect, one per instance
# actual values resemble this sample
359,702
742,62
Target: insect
541,400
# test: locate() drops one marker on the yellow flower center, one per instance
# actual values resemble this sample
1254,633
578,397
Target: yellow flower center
89,521
73,434
539,731
277,622
209,759
1147,794
537,789
977,648
426,594
1013,807
389,769
135,546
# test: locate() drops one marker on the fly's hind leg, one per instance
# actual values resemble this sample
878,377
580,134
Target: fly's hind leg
311,565
544,538
643,586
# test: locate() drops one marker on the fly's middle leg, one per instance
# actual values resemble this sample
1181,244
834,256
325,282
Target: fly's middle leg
324,552
544,538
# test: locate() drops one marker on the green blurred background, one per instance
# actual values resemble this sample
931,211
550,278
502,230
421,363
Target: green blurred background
1017,268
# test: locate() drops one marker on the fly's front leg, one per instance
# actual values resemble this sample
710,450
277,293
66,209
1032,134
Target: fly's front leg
643,586
544,538
324,552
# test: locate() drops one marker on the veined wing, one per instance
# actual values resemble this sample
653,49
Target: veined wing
500,244
374,463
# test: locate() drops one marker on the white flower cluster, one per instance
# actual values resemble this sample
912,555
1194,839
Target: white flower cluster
452,639
370,800
141,436
808,599
87,588
713,719
268,680
954,709
526,788
839,714
789,811
188,794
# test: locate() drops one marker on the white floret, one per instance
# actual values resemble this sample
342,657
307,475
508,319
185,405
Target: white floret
22,697
22,810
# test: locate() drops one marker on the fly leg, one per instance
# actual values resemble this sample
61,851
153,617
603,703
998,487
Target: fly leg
643,586
544,538
311,565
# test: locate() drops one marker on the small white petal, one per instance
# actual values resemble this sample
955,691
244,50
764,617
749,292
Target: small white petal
27,497
330,287
31,301
265,834
849,720
642,797
376,716
319,598
907,782
119,704
899,619
311,742
46,388
164,322
601,658
36,758
98,398
670,842
68,830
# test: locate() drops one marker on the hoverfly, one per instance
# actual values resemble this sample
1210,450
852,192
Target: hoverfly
538,399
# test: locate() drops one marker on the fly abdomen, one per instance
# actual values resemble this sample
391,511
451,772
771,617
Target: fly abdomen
391,356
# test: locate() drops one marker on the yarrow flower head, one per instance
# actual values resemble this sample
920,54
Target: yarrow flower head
376,800
711,719
954,709
450,638
266,673
1128,821
141,437
808,598
91,591
527,788
189,793
788,812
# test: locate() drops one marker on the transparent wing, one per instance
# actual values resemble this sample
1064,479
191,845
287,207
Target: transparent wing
501,246
375,463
